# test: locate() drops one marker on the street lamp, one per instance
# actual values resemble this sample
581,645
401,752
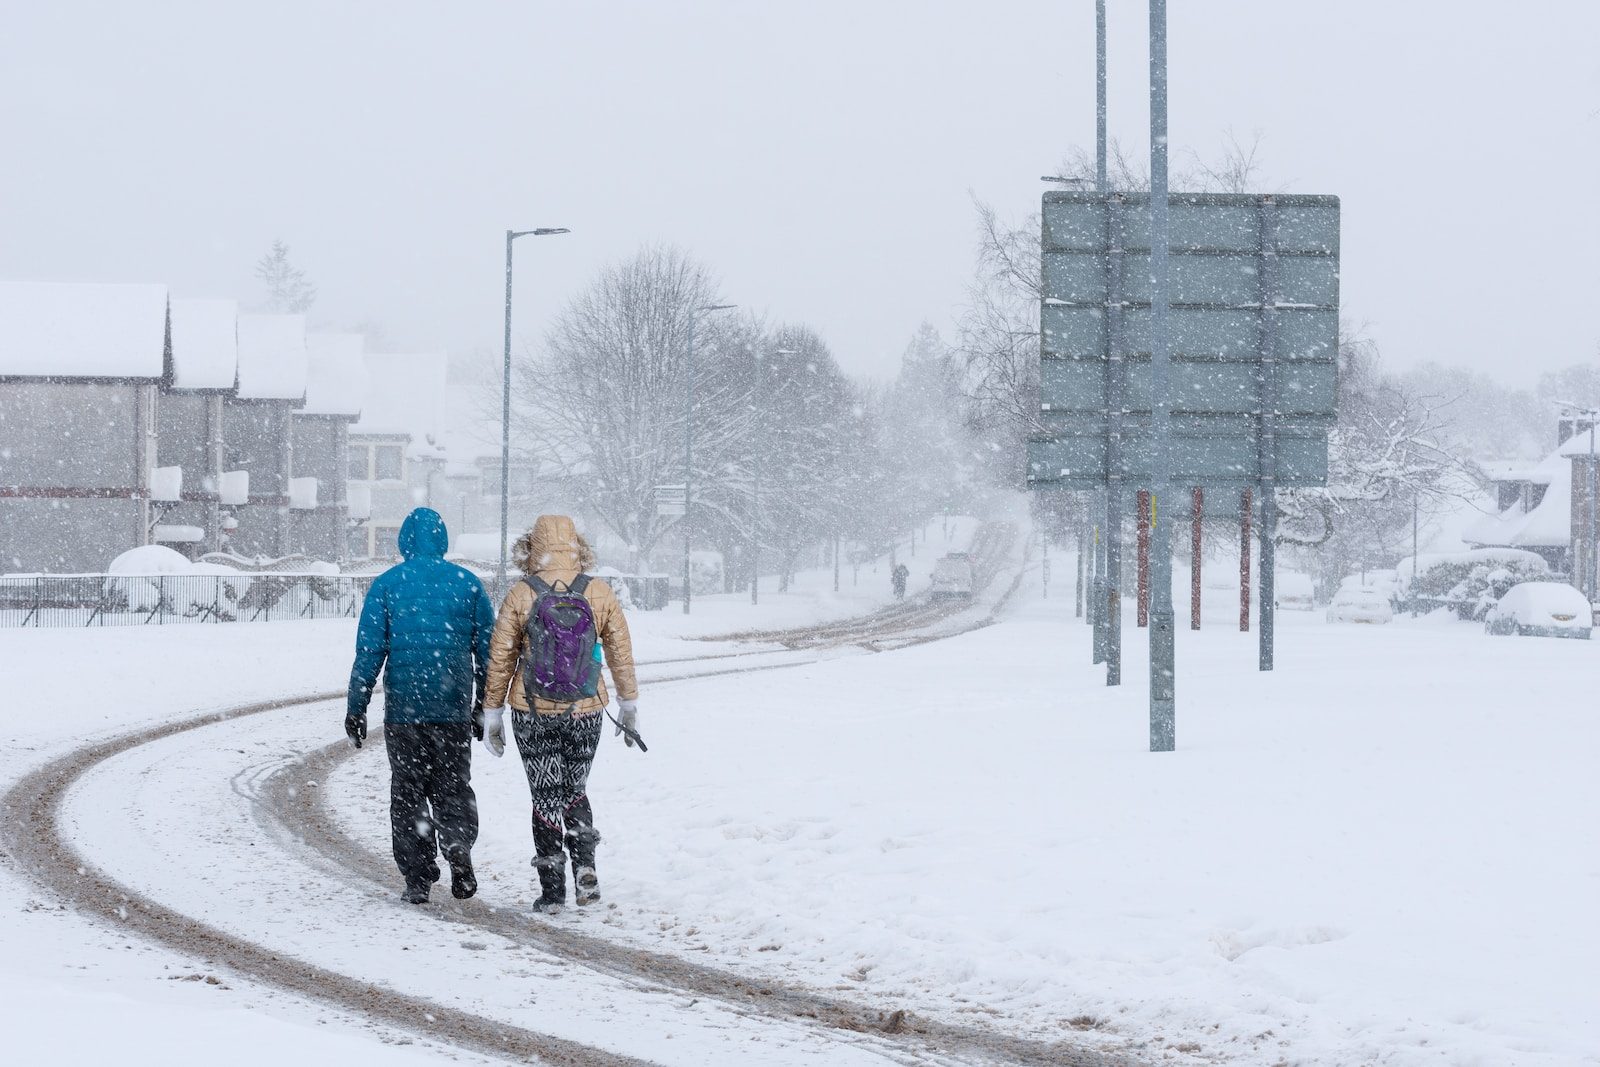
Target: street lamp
505,408
688,440
755,483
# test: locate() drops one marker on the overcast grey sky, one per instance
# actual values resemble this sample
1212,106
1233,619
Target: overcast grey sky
819,156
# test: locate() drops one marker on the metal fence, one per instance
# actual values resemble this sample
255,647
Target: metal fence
166,599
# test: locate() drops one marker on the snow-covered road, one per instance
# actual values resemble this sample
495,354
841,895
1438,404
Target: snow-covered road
1382,853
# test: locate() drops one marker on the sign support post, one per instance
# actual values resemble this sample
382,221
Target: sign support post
1163,668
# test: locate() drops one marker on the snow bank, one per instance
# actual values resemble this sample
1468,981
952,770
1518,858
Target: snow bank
83,330
205,343
166,484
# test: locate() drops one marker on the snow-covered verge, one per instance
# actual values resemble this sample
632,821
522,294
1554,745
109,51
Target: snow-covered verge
71,990
1382,853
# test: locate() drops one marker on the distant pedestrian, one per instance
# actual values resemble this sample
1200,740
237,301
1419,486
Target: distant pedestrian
546,658
898,578
426,624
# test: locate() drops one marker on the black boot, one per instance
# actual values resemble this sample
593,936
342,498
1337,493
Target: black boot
552,881
463,881
580,846
417,889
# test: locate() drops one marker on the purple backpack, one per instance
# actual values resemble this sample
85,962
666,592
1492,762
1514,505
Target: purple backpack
563,658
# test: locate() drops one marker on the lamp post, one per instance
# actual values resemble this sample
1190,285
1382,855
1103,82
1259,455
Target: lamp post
505,406
755,481
688,441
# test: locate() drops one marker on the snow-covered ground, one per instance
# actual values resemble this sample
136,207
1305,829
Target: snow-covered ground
1384,852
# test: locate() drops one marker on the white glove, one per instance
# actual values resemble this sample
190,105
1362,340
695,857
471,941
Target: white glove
494,730
629,718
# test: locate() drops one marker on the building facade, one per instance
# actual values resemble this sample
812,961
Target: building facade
81,367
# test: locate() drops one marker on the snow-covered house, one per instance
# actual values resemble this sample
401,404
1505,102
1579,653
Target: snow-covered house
189,443
1543,507
256,432
396,455
336,385
81,366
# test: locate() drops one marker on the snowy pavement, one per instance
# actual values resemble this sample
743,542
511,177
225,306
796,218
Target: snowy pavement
1384,852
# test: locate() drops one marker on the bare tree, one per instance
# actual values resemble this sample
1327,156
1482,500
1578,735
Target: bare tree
607,404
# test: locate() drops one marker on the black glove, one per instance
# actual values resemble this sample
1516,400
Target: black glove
355,727
477,721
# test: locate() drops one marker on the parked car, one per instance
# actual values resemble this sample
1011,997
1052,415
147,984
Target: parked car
1295,592
1360,603
1541,609
952,576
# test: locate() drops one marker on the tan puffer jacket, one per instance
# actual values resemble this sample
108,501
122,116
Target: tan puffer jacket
554,551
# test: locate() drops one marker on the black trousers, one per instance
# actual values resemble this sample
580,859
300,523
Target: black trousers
557,751
431,803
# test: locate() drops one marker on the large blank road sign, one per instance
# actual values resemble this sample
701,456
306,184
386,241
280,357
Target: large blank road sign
1254,328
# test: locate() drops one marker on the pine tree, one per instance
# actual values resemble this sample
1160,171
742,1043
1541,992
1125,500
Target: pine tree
288,288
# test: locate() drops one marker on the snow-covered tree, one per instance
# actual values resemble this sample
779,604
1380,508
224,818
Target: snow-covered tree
289,289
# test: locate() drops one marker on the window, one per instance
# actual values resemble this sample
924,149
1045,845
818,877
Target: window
385,542
388,463
356,547
359,458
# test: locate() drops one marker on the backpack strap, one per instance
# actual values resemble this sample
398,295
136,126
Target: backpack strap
579,584
538,585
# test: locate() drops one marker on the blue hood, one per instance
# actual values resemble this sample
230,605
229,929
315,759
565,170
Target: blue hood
423,534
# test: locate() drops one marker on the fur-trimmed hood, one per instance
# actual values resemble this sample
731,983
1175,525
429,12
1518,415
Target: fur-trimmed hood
554,544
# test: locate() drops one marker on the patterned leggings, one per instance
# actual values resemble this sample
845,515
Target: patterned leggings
557,751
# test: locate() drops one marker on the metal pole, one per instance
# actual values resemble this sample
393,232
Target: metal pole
1100,96
505,433
1416,508
1142,539
1196,554
1113,591
1269,574
1077,589
688,454
1594,530
1163,677
1246,509
755,491
1097,597
836,561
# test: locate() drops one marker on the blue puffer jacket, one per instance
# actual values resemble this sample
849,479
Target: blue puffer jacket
426,624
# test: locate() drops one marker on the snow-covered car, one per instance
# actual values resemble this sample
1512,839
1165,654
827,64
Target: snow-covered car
1357,603
1295,592
1541,609
952,576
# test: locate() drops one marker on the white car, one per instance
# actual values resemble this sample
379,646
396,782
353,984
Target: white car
1541,609
952,576
1358,603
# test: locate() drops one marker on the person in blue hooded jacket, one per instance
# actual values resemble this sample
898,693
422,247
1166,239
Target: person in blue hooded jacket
426,625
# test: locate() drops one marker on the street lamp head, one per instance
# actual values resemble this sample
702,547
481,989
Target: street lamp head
1064,181
543,231
716,307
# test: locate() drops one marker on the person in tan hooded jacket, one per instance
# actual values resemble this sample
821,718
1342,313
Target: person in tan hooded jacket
557,740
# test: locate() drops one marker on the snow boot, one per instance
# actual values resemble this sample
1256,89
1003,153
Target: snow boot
463,882
417,890
434,874
586,885
552,882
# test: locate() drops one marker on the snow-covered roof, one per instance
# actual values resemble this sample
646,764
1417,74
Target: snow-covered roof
83,330
1549,523
336,377
405,395
1512,470
272,357
205,343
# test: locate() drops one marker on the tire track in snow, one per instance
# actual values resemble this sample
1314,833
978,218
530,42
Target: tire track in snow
33,834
